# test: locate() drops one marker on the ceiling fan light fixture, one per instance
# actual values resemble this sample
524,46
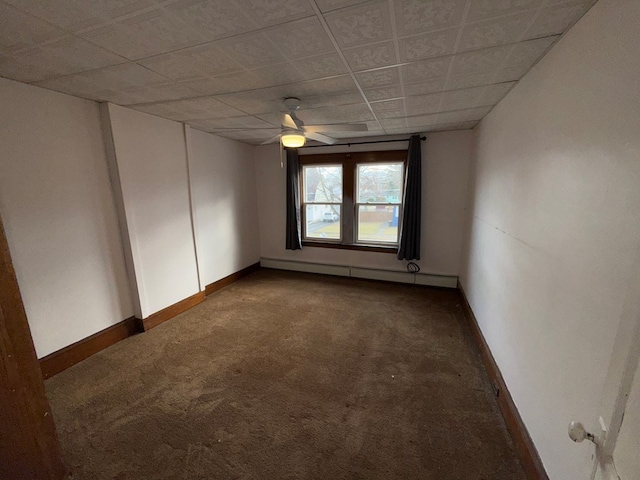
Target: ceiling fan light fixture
293,140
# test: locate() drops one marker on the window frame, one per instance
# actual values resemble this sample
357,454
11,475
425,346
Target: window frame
348,208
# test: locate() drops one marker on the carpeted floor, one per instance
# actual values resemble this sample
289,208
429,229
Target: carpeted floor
290,376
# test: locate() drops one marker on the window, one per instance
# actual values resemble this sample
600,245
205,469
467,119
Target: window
352,200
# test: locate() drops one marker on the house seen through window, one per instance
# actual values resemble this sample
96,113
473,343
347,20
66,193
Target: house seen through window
352,199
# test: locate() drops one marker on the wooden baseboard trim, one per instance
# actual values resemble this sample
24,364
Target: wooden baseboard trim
171,311
229,279
527,451
58,361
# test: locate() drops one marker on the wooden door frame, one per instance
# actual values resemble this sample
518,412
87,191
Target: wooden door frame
29,446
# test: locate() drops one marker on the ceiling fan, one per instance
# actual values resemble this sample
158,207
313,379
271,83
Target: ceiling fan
295,132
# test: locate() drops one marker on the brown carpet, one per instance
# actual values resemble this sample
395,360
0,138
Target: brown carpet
290,376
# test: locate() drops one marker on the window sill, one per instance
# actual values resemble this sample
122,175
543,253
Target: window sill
363,248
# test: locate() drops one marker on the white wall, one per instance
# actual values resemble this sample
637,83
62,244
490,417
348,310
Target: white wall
59,215
554,224
151,161
223,191
445,167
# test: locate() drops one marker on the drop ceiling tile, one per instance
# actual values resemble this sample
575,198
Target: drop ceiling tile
379,78
234,82
430,45
420,16
384,93
525,54
455,82
328,5
393,123
302,38
336,114
330,86
389,108
439,127
200,108
555,20
144,35
422,120
371,56
251,50
193,63
361,24
19,31
422,70
114,9
321,66
67,14
212,19
272,118
273,75
61,57
431,85
424,104
492,94
463,115
246,121
480,61
493,32
266,13
485,9
350,98
462,99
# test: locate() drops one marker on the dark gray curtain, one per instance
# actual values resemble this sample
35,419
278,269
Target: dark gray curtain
294,232
409,248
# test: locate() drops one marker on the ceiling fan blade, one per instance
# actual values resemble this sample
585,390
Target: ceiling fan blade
271,140
320,138
292,121
345,127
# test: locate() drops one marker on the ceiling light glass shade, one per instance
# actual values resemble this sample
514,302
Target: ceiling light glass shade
293,140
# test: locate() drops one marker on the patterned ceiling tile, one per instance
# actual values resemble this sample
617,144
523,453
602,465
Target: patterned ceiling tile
280,74
302,38
433,44
361,24
62,57
213,19
159,93
463,115
494,32
379,78
350,98
144,35
266,13
455,82
525,54
114,8
422,120
391,123
67,14
328,5
484,9
193,63
431,85
336,114
234,82
389,108
555,20
418,72
480,61
424,104
331,86
421,16
439,127
321,66
383,93
371,56
462,99
251,50
492,94
246,121
19,31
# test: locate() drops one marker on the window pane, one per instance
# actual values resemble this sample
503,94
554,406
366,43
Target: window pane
378,223
322,183
380,182
323,221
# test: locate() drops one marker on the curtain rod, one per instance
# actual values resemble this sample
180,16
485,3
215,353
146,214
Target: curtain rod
362,143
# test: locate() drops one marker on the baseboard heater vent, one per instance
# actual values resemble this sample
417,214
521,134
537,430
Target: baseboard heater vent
448,281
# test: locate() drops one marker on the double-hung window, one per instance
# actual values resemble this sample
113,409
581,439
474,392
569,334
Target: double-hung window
352,200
